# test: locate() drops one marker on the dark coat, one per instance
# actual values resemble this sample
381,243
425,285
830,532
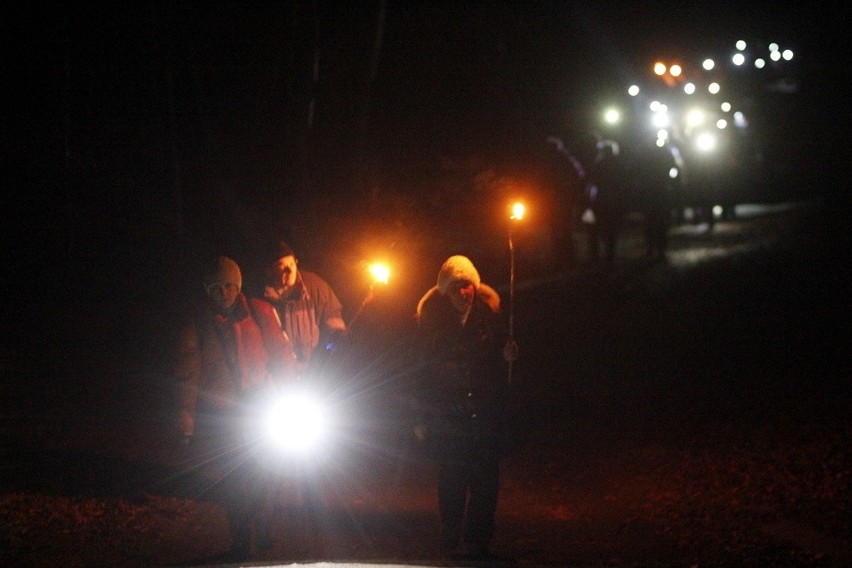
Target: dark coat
462,376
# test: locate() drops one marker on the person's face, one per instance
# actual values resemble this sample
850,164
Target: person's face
223,295
461,294
284,271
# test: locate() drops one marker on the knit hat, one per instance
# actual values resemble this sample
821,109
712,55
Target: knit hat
278,249
223,270
457,268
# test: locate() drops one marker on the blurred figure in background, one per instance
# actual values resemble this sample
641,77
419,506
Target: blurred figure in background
459,401
229,353
609,197
570,176
655,183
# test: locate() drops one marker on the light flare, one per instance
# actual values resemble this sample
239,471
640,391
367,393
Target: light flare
296,422
380,272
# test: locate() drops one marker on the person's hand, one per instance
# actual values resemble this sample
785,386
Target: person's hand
510,351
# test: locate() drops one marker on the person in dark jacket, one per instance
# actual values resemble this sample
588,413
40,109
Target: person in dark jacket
229,353
610,195
655,184
459,401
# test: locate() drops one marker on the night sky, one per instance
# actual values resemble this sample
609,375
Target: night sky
129,127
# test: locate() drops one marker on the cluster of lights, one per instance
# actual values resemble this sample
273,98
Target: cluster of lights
775,54
701,120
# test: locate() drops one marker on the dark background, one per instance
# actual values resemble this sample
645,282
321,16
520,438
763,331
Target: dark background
140,140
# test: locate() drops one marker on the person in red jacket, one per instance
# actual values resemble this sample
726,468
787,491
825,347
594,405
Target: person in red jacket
229,353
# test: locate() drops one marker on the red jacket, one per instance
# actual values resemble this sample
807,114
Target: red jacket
221,358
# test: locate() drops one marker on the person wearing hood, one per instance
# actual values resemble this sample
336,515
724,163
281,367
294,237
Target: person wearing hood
463,349
229,352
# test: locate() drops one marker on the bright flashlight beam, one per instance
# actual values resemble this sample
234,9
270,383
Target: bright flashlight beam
296,422
380,272
518,211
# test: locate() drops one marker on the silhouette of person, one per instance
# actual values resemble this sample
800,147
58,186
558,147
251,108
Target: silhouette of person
609,194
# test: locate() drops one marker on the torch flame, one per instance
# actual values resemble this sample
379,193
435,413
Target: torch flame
380,272
518,211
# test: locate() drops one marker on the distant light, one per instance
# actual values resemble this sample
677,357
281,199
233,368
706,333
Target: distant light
738,59
775,55
662,134
787,54
713,88
740,120
708,64
659,68
695,117
721,124
633,90
741,45
773,47
675,70
689,88
660,142
717,211
760,63
673,172
654,106
660,119
705,142
518,211
612,116
726,107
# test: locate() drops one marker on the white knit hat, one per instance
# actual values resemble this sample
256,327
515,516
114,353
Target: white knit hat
457,268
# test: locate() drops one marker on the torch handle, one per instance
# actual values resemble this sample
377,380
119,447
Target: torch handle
511,297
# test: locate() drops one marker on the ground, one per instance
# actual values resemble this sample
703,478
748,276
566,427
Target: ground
691,412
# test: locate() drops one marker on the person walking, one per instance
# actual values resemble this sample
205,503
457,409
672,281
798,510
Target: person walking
310,313
609,199
655,198
462,350
311,316
229,353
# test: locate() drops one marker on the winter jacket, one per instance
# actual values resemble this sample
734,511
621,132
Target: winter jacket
461,375
613,186
222,359
309,314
